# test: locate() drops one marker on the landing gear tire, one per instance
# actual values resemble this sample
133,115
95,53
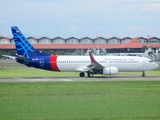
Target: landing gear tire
81,74
90,74
143,74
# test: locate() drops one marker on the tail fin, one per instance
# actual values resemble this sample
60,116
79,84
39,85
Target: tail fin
23,46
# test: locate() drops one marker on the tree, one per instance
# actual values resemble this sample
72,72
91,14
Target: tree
144,48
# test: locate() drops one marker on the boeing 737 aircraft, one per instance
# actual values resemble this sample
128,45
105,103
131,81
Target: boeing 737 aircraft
106,65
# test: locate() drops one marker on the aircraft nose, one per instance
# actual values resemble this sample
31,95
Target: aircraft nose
156,65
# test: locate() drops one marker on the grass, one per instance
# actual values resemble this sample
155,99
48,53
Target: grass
32,72
125,100
113,100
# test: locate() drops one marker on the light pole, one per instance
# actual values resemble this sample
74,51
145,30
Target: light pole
81,46
97,42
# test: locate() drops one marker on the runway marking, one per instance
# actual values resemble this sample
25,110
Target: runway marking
45,80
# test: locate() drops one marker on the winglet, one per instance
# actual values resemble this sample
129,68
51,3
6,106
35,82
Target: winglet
92,58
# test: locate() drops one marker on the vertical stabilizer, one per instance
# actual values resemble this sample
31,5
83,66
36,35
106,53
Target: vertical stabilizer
23,46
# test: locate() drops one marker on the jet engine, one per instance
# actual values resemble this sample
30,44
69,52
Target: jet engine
110,71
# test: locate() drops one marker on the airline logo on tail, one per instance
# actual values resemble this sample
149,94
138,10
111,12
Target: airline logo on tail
23,46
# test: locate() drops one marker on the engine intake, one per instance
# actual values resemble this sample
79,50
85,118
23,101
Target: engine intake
110,71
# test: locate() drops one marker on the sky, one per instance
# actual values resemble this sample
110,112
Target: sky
81,18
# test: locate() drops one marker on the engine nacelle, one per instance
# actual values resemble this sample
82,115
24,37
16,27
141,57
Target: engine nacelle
110,70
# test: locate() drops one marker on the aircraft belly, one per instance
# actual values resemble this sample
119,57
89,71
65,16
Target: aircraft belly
68,67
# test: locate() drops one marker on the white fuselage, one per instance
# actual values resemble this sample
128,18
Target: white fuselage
123,63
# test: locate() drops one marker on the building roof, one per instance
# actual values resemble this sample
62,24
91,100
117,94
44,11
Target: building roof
153,38
7,46
126,38
72,38
45,38
99,38
134,43
32,38
113,38
8,38
142,38
58,38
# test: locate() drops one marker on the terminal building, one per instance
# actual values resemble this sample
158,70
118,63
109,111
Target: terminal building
75,46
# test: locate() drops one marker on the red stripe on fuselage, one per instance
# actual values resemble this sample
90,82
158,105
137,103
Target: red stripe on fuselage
53,62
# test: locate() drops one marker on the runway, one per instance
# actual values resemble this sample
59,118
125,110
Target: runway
68,79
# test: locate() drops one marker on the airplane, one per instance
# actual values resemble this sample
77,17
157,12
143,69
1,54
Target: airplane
105,65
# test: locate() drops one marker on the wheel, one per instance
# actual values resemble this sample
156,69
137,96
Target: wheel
81,74
90,74
143,74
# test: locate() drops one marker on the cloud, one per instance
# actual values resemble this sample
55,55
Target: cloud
78,17
151,7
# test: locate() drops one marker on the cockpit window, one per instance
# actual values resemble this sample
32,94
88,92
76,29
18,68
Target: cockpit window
150,61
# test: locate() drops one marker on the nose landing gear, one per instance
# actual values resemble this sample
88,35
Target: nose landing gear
143,74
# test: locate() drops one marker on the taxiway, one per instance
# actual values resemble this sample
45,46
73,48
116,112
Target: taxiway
67,79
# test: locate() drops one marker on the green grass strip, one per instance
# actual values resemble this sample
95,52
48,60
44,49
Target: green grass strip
32,72
124,100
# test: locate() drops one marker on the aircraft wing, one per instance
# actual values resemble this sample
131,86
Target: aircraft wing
93,66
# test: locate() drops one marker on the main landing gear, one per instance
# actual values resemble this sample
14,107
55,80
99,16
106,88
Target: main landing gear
81,74
89,74
143,74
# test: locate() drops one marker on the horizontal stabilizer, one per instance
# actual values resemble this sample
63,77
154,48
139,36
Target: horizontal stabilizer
20,57
10,57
